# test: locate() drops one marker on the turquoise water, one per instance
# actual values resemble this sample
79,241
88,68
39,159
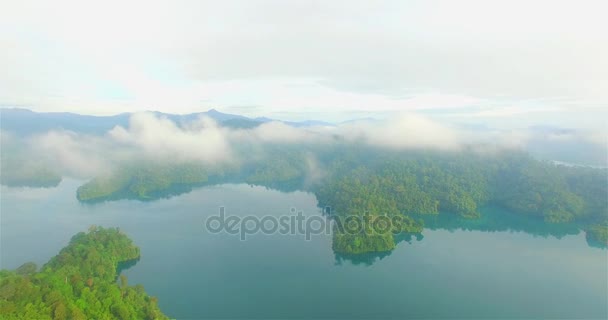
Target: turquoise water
499,266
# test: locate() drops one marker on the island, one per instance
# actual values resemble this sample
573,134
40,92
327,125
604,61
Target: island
143,182
373,184
79,283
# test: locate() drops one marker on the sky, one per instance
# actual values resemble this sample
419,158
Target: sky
500,63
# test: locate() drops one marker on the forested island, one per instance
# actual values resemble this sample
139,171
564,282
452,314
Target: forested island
142,182
415,185
373,182
79,283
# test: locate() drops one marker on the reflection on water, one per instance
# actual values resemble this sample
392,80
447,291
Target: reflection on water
496,219
368,259
502,265
493,219
178,189
125,265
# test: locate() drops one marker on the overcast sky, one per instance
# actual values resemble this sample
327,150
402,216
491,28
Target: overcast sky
500,62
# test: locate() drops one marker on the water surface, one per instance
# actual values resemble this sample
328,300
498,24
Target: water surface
500,266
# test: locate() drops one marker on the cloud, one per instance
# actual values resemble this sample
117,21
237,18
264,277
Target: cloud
70,153
148,138
153,138
408,131
160,138
279,132
301,57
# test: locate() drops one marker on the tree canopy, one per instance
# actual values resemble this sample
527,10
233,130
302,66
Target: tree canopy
78,283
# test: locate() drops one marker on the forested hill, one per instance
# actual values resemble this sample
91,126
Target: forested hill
78,283
358,181
413,184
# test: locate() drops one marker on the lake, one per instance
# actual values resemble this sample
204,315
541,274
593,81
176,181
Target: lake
498,266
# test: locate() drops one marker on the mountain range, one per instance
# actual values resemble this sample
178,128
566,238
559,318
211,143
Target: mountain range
24,121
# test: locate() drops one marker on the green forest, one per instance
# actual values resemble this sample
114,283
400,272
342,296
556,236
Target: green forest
79,283
18,173
390,195
143,182
359,180
415,185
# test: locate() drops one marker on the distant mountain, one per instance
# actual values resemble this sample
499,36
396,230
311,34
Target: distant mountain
24,121
360,120
240,123
566,145
219,116
308,123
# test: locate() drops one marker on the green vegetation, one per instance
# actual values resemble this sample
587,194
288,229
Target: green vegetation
364,198
19,173
537,188
141,182
597,235
460,183
17,169
370,232
275,170
274,165
78,283
358,180
426,183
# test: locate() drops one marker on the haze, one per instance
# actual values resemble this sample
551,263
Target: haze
508,64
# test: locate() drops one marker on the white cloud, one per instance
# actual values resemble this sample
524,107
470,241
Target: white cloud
149,137
404,132
278,132
307,58
70,153
160,138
